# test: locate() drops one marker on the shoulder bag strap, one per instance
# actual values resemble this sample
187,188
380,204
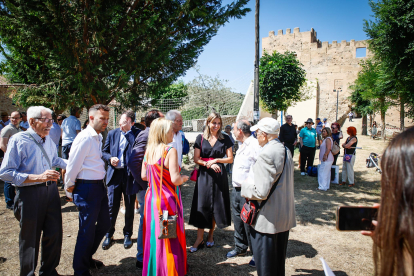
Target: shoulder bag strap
274,184
42,149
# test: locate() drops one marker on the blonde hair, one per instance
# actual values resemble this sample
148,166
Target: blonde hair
328,131
157,139
207,131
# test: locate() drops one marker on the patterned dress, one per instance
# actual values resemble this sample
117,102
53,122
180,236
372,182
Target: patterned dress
162,256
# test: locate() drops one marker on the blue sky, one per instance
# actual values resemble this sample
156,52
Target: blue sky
230,54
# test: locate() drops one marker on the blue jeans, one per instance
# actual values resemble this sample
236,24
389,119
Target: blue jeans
141,200
9,194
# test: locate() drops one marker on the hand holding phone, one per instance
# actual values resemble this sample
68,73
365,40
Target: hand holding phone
354,218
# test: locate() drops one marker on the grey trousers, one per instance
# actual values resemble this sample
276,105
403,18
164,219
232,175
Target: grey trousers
269,252
39,210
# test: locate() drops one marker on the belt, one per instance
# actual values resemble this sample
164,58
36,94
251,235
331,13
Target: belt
237,189
47,183
86,181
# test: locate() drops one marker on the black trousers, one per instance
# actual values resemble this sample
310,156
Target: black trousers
39,210
241,230
270,252
117,187
307,154
291,147
335,159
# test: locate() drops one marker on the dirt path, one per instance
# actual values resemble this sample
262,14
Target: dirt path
315,236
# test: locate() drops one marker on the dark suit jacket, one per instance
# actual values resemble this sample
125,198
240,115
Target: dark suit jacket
135,161
111,149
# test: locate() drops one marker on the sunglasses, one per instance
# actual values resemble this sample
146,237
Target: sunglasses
165,229
333,127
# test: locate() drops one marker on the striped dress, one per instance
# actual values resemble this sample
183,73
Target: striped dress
162,256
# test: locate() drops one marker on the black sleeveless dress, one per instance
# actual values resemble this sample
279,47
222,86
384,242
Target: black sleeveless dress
211,197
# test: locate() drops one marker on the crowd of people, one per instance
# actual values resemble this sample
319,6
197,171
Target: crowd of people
144,165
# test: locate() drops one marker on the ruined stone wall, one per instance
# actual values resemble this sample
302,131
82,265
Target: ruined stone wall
333,66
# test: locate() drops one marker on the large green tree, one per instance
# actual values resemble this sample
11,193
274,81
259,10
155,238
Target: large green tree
391,34
84,52
281,77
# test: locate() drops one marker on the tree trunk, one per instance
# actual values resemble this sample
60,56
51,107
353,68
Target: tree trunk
370,122
402,114
364,125
383,124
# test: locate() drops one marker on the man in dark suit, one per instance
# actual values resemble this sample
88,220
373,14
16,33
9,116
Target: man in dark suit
116,153
138,185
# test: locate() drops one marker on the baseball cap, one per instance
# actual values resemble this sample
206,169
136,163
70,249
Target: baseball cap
268,125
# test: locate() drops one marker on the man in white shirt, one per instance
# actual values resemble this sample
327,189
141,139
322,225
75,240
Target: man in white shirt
326,123
245,158
85,179
177,143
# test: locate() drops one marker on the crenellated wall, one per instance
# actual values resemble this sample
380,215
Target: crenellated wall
333,65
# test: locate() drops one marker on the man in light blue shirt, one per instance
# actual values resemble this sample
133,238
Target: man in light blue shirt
71,126
28,164
55,132
24,124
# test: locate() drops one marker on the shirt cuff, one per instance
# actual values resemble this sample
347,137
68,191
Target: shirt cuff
19,178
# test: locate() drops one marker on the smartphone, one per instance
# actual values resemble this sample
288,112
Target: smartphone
353,218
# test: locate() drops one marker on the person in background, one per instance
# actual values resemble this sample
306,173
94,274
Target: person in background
288,135
350,115
178,141
85,124
163,257
6,133
55,131
28,164
85,180
326,158
243,161
307,146
71,126
24,124
4,119
136,183
374,130
60,119
393,235
349,148
270,233
318,128
227,130
211,200
326,123
116,153
336,136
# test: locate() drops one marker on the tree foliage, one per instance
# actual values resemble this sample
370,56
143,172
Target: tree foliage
281,77
86,52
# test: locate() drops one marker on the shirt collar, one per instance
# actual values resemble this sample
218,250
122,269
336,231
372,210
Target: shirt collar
249,140
91,131
36,136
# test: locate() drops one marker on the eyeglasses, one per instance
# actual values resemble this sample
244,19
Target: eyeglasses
333,127
45,120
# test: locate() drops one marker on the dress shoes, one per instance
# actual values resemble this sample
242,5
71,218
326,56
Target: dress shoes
200,246
95,264
108,242
252,263
138,264
235,253
127,242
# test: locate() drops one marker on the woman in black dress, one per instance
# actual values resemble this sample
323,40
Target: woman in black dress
211,200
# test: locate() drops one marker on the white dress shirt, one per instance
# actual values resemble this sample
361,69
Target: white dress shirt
121,148
177,143
85,158
245,158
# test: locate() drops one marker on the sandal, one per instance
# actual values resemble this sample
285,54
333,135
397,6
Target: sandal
351,185
343,183
210,244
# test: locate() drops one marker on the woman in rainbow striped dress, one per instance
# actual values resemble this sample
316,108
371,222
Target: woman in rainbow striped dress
162,256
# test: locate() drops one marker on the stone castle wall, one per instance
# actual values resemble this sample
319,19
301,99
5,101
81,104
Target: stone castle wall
332,65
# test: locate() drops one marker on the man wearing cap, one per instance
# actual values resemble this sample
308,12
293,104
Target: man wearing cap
326,123
271,185
318,128
308,146
288,135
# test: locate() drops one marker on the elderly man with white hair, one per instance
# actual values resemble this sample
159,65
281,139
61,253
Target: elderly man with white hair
271,191
28,164
178,140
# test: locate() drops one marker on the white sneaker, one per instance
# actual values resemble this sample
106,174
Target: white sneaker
136,211
123,210
302,173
